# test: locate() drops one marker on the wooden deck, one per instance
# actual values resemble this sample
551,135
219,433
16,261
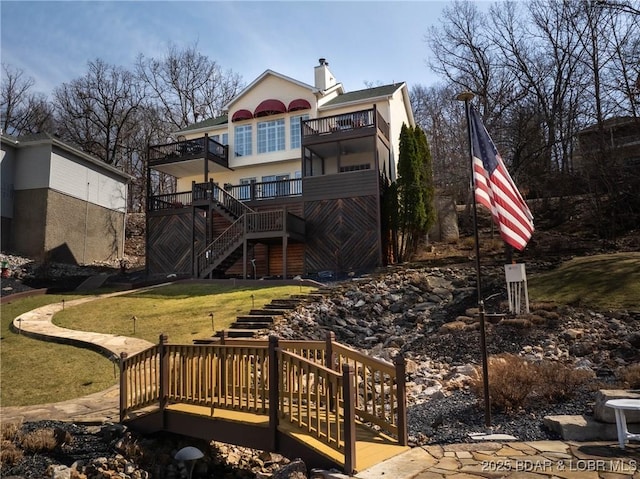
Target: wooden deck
318,400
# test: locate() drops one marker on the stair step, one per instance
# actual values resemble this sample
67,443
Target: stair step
280,306
267,312
263,318
238,333
248,325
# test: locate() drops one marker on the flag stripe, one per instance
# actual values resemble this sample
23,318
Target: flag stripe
495,189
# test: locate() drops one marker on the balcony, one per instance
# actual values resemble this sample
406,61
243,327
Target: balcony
203,192
355,124
189,157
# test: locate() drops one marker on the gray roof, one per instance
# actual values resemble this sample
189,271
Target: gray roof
366,94
221,120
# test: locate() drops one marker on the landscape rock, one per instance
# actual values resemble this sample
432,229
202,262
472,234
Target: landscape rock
606,414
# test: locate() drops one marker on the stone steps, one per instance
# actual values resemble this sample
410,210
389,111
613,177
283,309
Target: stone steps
599,427
247,326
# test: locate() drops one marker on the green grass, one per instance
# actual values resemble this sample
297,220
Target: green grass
36,372
182,311
607,281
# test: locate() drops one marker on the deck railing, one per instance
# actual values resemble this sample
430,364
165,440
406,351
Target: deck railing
266,189
320,386
345,122
204,147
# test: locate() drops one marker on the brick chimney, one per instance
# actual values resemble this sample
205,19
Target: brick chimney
323,76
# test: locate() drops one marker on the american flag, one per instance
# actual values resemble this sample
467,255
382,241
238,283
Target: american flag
495,189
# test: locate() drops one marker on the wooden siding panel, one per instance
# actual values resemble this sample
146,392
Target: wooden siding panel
169,240
342,235
295,259
342,185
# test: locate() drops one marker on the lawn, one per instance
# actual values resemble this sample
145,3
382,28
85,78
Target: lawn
182,311
36,372
606,281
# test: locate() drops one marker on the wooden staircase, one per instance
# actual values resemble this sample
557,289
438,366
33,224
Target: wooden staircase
258,321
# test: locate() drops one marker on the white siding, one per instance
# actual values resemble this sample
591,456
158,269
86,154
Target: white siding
86,183
32,167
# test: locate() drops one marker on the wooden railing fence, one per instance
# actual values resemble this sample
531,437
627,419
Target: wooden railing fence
322,387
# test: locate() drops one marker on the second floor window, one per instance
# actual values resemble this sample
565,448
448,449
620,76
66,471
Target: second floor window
271,136
243,140
222,139
295,129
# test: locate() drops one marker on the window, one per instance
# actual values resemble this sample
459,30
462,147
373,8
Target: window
245,188
271,136
295,129
225,138
275,185
243,140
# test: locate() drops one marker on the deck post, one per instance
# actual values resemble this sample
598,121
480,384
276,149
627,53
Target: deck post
401,397
328,362
163,389
274,392
123,388
349,397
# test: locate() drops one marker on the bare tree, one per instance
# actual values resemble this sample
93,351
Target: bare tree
22,111
187,86
97,111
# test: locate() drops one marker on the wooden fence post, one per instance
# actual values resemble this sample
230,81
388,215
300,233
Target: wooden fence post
349,398
401,397
123,387
274,391
163,387
328,350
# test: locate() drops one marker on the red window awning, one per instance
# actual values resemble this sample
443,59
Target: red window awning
242,115
270,107
299,104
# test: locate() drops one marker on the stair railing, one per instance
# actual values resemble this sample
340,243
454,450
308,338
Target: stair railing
212,192
221,247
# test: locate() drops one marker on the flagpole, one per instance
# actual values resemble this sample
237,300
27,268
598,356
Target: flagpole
467,97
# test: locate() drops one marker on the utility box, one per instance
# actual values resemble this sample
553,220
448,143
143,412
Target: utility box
517,292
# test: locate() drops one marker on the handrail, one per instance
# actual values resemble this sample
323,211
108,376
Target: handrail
221,247
381,389
139,382
169,201
220,375
320,386
185,149
212,192
311,397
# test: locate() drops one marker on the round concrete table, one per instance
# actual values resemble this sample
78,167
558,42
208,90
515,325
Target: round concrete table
619,406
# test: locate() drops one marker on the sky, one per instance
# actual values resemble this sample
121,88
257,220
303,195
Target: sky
379,42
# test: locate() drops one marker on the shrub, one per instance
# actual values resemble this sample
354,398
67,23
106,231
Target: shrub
9,453
514,382
511,380
40,440
9,431
557,382
630,376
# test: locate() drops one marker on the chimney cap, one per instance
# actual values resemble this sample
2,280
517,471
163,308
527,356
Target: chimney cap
323,61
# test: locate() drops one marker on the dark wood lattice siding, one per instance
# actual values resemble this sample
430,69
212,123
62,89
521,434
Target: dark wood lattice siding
342,235
169,242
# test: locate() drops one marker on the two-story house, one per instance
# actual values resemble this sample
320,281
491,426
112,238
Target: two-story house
287,182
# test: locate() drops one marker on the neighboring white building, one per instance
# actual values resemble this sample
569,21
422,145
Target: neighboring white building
59,203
